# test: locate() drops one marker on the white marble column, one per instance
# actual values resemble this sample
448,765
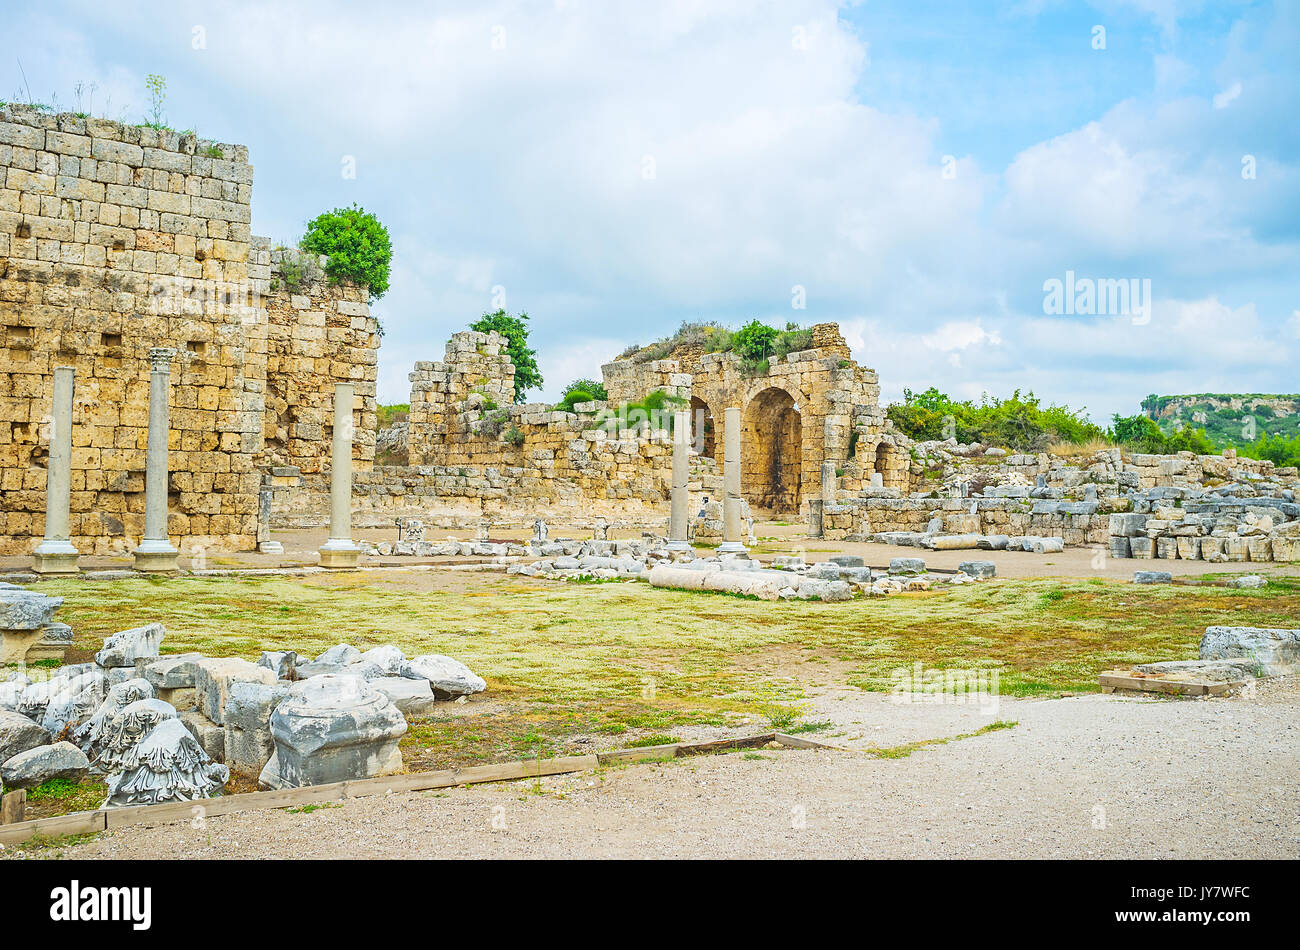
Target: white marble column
155,552
731,527
681,476
340,551
55,554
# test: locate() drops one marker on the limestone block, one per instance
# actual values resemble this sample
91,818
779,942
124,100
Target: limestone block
210,736
906,565
43,764
1276,650
332,728
448,678
123,649
980,569
1152,577
18,734
72,701
172,672
214,677
248,744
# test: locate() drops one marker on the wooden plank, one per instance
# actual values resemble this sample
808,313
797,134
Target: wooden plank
795,742
13,807
666,751
78,823
715,745
1113,680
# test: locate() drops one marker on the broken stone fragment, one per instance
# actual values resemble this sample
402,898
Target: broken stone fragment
19,734
213,678
981,569
173,672
341,655
87,736
248,744
282,664
906,565
167,765
123,732
123,649
1152,577
72,701
22,609
1276,650
43,764
332,728
447,677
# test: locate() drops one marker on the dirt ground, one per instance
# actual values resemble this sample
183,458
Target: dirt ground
1090,776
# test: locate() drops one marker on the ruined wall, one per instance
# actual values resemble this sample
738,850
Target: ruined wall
811,406
320,332
467,439
116,239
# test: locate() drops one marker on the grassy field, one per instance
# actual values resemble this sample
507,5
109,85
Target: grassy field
628,660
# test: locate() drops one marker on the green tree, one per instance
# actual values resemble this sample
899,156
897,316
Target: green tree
580,390
357,245
515,330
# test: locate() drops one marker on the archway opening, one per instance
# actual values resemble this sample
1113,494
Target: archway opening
703,438
771,452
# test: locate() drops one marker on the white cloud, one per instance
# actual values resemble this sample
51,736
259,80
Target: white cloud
1227,96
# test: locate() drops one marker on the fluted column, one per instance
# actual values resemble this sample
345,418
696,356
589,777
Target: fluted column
731,532
681,476
340,551
55,554
156,552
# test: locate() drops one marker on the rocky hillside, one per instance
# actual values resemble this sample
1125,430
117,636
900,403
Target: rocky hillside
1228,418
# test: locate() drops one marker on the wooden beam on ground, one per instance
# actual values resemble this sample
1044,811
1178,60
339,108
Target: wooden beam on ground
1119,680
13,807
796,742
112,818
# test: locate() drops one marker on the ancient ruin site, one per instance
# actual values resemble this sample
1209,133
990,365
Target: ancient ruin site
301,559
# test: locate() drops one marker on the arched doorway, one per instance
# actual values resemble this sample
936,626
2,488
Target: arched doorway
891,465
703,437
771,452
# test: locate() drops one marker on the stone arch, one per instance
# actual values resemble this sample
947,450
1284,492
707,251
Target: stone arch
703,428
891,464
771,451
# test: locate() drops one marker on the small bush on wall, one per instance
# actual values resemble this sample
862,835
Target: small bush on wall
357,245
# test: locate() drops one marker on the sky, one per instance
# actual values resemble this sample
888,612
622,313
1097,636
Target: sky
920,173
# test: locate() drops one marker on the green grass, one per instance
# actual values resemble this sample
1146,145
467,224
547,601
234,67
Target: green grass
629,660
907,748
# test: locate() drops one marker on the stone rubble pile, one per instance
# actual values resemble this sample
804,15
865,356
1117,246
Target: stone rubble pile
170,729
1207,526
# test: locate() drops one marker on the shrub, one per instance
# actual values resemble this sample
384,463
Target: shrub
515,436
1017,422
357,245
580,390
515,330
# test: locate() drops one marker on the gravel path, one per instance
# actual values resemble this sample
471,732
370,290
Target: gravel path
1089,776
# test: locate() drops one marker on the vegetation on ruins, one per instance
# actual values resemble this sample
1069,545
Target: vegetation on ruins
157,86
756,343
1020,422
581,390
515,436
655,411
295,270
515,330
1017,422
357,245
392,414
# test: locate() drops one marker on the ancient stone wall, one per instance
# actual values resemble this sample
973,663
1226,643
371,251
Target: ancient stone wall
319,332
811,406
116,239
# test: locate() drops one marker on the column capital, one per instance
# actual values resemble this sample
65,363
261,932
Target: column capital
160,357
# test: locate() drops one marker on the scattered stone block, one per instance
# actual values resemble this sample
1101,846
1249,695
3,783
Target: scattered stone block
173,672
1152,577
847,560
123,649
447,677
210,736
72,701
213,679
414,697
906,565
1248,582
1276,650
980,569
123,732
19,734
332,728
248,744
282,664
44,763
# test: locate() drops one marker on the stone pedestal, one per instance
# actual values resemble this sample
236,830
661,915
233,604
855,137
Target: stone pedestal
339,552
55,554
681,476
829,482
731,515
156,552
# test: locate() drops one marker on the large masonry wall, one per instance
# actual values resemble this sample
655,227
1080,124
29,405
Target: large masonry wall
115,240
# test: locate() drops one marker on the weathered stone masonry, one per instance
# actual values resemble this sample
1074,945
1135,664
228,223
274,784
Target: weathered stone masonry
117,239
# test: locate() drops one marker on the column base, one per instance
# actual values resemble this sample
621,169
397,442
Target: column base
732,547
679,545
270,547
155,556
55,557
339,554
14,645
